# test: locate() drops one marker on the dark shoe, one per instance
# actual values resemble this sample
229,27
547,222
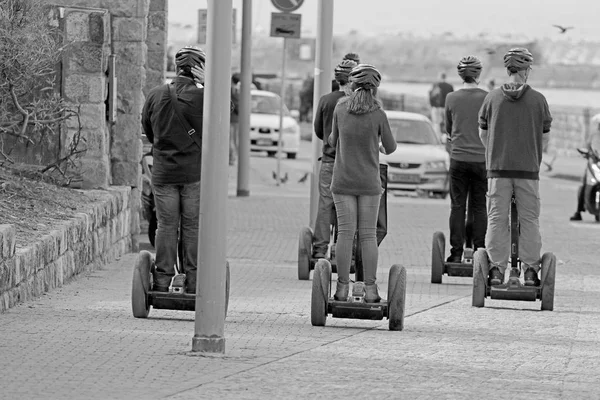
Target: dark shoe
454,259
157,288
576,217
341,291
190,282
531,277
161,283
320,253
371,294
496,277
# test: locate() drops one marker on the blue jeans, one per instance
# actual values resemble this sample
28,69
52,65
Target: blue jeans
325,211
352,211
176,205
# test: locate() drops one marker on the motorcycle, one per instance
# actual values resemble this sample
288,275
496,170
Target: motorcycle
590,191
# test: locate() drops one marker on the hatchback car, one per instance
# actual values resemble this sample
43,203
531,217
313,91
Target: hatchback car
264,125
420,162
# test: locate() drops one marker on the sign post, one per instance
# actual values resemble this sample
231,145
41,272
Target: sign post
285,25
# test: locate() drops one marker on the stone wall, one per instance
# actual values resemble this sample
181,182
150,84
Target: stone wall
83,243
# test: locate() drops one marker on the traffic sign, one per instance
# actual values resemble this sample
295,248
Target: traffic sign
285,25
287,5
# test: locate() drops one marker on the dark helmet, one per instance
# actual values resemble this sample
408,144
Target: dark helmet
190,56
342,70
469,66
352,56
518,59
365,76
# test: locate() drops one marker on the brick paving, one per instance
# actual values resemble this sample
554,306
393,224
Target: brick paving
81,341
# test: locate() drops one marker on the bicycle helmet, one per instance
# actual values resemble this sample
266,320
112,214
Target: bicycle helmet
365,76
469,66
342,70
190,56
352,56
518,59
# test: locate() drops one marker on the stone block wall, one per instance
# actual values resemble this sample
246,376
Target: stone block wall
156,42
83,243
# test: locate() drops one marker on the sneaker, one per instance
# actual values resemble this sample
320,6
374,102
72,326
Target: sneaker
371,294
496,277
341,291
454,258
320,254
576,217
531,277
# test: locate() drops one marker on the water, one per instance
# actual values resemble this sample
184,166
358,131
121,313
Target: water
557,97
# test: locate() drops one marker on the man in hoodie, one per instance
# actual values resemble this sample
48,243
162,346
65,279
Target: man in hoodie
322,125
514,123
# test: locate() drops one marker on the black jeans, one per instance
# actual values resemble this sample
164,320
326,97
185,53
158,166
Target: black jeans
467,180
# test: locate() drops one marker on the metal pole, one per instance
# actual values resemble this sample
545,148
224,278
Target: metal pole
243,179
210,287
281,112
322,86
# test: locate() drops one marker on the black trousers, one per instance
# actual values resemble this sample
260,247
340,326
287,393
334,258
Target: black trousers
468,180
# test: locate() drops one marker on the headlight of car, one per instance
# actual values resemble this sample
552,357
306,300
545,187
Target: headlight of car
436,166
290,130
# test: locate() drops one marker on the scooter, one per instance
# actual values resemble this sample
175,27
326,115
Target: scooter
143,297
591,190
513,289
306,261
440,267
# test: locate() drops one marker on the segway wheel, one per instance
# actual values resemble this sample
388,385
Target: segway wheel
396,297
304,253
438,248
320,293
548,278
480,262
140,285
227,284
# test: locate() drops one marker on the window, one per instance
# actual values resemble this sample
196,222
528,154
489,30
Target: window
267,105
413,131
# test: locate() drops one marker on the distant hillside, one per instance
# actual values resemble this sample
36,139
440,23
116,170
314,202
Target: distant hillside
558,64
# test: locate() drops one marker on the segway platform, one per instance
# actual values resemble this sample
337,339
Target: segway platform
143,297
323,303
440,267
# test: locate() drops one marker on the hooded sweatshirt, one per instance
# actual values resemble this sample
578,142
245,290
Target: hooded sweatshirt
516,118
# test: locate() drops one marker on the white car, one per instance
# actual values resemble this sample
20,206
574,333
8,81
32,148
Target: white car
420,162
264,125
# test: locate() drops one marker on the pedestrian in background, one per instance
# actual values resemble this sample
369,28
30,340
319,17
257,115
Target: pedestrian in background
437,101
233,120
467,159
360,130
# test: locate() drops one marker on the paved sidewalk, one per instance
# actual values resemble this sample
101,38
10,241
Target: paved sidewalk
81,341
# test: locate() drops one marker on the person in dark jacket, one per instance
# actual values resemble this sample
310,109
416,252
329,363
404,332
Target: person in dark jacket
322,126
437,101
176,169
514,123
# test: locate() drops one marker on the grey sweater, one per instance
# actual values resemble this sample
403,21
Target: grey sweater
356,140
462,108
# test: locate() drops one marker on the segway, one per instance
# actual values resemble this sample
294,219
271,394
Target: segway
513,289
143,297
306,261
440,267
355,307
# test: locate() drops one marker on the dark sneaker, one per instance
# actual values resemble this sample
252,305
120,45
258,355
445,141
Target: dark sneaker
576,217
454,259
531,277
371,294
157,288
319,253
496,277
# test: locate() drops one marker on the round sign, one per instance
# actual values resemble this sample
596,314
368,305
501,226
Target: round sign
287,5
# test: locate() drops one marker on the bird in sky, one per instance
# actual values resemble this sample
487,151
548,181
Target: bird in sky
563,29
303,178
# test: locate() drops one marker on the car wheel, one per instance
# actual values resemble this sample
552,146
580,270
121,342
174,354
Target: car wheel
291,156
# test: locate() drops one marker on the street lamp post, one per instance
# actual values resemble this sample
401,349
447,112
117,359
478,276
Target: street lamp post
210,287
243,180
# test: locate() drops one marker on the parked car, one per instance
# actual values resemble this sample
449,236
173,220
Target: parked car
420,162
264,125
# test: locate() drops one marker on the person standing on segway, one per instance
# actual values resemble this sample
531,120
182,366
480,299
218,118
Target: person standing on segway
467,158
514,123
322,126
359,126
175,131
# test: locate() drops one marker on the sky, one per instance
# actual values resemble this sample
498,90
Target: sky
494,18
